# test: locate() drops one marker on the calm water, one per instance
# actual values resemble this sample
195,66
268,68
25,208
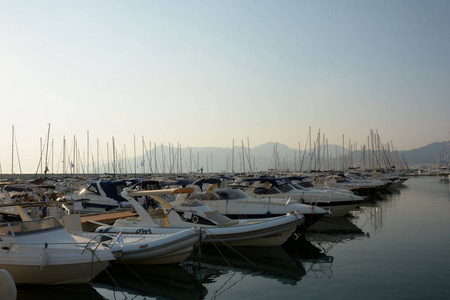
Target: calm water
395,247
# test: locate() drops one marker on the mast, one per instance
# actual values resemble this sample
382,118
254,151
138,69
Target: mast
156,161
143,156
74,154
243,156
343,154
114,156
12,155
46,151
310,161
87,166
232,158
249,156
98,159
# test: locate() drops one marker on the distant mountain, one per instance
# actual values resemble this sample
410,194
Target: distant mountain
275,156
430,154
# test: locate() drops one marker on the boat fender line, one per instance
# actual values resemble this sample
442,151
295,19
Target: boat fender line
44,257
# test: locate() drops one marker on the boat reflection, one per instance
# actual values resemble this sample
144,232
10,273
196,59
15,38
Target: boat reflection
269,262
161,281
54,292
328,232
216,270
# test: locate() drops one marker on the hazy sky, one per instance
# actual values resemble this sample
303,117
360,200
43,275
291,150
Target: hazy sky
202,73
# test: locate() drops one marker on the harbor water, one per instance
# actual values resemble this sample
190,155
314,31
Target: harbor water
396,246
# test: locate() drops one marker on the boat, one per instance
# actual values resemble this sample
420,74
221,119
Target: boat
338,204
235,204
302,183
44,252
186,212
147,249
98,196
143,249
354,182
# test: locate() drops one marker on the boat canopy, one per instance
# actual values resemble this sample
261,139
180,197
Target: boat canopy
27,227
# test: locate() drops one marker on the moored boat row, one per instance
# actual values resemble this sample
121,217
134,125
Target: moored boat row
173,219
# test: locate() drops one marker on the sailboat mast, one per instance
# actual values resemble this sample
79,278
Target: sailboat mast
232,158
12,155
87,150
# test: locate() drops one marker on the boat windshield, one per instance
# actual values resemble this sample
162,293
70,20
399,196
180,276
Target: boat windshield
91,189
221,220
284,187
28,227
205,196
192,202
232,194
296,185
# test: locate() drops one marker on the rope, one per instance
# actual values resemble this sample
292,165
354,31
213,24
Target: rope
222,241
115,283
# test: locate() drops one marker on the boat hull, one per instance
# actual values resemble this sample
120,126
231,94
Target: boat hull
152,249
55,274
267,232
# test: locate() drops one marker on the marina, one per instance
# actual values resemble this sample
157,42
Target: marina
394,245
224,150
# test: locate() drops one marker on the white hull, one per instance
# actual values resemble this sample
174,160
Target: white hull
267,232
43,252
154,249
55,274
339,210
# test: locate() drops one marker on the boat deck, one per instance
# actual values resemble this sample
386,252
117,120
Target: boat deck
88,221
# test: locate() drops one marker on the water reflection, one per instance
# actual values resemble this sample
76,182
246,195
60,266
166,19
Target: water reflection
328,232
214,271
57,292
165,281
315,261
269,262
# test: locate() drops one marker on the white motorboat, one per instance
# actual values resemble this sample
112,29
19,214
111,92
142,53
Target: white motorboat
44,252
143,249
98,197
148,249
236,204
216,228
301,183
354,183
337,203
